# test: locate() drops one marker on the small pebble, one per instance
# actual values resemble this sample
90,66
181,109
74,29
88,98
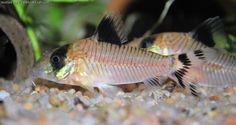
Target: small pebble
55,101
214,98
88,94
3,112
195,123
212,114
230,89
71,91
102,104
79,107
165,115
3,94
231,120
83,100
232,98
169,101
28,106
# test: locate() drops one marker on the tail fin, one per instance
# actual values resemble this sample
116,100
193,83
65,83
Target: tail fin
205,67
219,68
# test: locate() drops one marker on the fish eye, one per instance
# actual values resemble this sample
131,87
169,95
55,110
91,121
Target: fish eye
56,62
147,42
55,59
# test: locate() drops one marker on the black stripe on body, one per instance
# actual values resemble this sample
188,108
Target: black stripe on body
57,58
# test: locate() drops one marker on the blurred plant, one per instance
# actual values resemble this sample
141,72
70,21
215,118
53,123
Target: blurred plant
61,23
55,23
70,1
27,22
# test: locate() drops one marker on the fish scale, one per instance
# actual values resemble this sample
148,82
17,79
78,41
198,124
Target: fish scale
128,65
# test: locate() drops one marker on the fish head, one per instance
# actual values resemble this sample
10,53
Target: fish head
56,66
164,43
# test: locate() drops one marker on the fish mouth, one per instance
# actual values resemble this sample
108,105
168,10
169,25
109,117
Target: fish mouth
43,70
40,73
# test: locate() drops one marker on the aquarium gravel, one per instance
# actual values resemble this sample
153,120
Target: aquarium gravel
37,104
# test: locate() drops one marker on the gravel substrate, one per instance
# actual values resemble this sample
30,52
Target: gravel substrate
25,104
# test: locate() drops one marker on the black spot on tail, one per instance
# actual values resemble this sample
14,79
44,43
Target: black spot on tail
57,58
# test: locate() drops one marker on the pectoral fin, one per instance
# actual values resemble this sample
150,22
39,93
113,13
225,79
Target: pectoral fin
154,84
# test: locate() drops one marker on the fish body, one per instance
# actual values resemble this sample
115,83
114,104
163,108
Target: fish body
213,67
219,68
103,60
169,43
100,63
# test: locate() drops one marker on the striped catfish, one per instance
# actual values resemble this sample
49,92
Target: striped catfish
98,61
217,68
169,43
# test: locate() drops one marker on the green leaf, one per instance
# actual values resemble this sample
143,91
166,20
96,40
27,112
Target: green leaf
27,21
34,42
70,1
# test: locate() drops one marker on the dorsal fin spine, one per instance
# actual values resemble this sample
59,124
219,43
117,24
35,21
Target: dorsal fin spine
111,29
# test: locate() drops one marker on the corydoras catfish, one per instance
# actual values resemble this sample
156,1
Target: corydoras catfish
98,61
169,43
216,68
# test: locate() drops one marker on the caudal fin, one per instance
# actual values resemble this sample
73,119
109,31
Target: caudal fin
204,67
219,69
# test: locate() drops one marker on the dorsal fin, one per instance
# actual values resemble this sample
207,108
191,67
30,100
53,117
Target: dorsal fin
204,32
111,29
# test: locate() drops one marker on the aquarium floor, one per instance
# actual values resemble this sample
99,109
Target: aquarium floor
42,105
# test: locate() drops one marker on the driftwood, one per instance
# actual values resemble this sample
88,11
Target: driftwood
19,39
